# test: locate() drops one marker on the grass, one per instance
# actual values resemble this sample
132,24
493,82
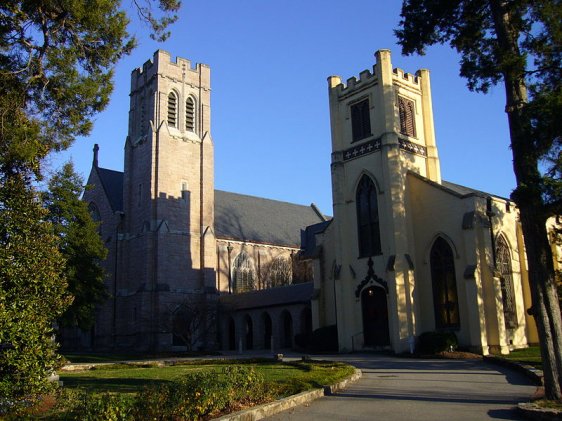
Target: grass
529,356
288,377
105,358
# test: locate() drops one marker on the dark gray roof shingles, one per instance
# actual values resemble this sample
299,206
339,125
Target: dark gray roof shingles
290,294
254,219
112,183
238,216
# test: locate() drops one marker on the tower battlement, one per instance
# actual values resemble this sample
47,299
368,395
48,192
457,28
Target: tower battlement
365,77
368,77
403,76
179,69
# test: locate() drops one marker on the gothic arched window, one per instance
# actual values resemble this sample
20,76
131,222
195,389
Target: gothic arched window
190,114
172,109
244,274
503,264
445,299
95,215
406,111
368,226
280,272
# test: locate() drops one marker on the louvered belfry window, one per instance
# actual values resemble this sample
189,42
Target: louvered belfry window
190,115
406,109
172,110
503,262
142,115
360,120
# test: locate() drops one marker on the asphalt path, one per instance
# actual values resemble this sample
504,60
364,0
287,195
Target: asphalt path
412,389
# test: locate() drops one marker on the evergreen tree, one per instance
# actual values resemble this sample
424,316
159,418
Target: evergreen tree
516,43
32,295
56,67
79,244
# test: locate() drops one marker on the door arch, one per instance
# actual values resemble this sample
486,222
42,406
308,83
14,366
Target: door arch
267,330
375,317
231,334
287,330
249,332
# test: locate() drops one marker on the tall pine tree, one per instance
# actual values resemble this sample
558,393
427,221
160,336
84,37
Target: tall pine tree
56,68
516,43
80,245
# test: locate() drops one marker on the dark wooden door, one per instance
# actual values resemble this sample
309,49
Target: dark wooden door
375,317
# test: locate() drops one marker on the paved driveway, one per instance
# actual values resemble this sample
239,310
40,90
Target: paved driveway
403,389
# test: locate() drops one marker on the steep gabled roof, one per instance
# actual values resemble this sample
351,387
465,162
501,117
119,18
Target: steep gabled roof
112,183
290,294
237,216
254,219
455,189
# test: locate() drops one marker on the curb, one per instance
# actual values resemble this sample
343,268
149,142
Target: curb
534,412
529,410
272,408
531,372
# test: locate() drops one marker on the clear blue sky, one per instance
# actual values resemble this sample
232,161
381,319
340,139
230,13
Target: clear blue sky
269,62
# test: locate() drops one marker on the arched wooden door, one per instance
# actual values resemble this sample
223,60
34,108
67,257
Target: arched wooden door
375,317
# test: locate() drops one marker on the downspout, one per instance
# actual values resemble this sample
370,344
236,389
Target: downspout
229,249
154,304
115,275
490,214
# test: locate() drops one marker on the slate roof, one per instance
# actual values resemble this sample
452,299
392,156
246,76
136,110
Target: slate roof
258,220
308,239
112,183
238,216
290,294
456,189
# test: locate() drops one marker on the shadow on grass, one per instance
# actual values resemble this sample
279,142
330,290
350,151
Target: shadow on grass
120,385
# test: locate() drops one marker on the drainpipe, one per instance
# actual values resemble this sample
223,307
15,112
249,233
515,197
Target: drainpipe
115,275
490,214
229,249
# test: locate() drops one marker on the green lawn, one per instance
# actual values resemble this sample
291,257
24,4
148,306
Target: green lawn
530,356
291,377
104,358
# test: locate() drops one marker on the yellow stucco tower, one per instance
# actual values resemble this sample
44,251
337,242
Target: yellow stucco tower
407,252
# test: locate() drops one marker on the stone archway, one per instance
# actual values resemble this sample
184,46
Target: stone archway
375,317
267,329
249,331
287,330
231,334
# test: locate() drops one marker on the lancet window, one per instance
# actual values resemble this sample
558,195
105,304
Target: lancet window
445,298
244,274
368,225
172,109
503,265
190,114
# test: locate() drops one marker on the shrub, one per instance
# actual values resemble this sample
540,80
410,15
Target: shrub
302,340
80,405
325,339
434,342
201,394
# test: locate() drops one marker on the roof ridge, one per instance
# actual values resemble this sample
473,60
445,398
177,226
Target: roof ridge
265,198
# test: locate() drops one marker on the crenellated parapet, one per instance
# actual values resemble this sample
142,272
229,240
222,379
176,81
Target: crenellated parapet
402,76
178,70
366,79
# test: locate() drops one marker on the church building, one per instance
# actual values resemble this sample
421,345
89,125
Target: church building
404,253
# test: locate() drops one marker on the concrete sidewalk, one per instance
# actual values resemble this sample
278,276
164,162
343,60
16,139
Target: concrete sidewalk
404,389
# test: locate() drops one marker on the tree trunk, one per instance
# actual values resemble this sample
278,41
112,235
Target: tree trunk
528,196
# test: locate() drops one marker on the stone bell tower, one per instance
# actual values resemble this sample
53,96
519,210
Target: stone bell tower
167,242
382,128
